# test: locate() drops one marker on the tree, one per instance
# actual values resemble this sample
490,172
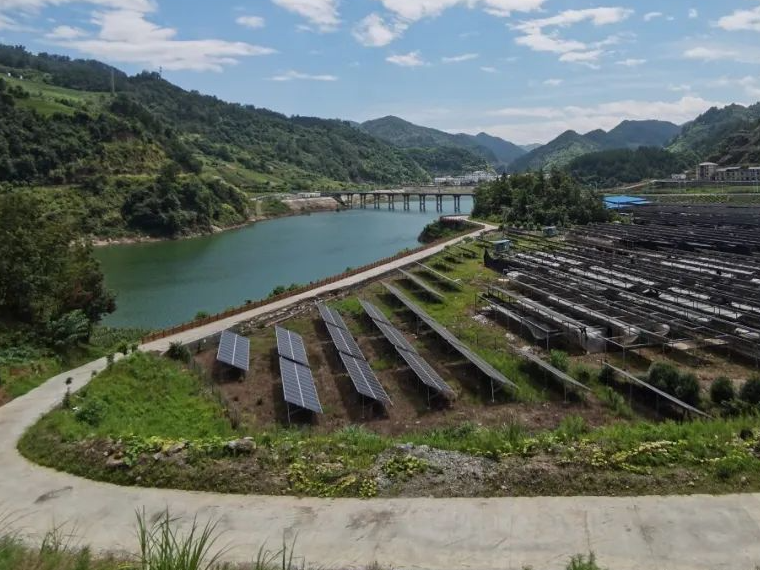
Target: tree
46,273
722,390
750,391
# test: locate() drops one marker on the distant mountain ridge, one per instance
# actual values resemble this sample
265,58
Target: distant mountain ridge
571,145
489,149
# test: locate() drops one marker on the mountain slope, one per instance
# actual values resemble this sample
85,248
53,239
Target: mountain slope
739,148
570,145
707,136
557,153
493,150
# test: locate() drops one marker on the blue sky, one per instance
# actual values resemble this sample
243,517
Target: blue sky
525,70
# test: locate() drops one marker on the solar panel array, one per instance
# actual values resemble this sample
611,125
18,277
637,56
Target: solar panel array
374,313
446,335
234,350
421,368
569,382
362,376
297,380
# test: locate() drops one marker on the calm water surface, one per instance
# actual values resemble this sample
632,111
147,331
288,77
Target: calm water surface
161,284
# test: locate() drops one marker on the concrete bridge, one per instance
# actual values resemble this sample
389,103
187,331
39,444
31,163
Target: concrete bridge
405,196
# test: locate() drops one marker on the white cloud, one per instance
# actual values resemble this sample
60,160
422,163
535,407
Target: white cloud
489,69
631,62
32,6
65,33
323,14
377,30
749,84
126,36
537,38
693,13
411,59
531,124
553,82
648,17
298,76
711,53
374,31
253,22
742,20
460,58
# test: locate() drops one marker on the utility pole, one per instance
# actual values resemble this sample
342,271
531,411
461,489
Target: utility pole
113,82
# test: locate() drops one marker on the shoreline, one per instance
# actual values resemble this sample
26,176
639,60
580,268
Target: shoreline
142,239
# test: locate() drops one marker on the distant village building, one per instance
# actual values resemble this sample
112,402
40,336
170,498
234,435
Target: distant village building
470,179
678,177
711,172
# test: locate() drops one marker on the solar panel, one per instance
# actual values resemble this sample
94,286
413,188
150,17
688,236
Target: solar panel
422,285
344,342
457,344
234,350
374,313
395,337
426,373
558,374
331,316
364,379
298,386
290,345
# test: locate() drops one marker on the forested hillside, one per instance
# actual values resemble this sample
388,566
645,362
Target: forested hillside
485,148
571,145
612,168
123,155
721,134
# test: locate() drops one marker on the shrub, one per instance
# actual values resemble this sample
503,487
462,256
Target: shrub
582,373
178,351
580,562
559,360
666,377
201,315
607,375
91,412
750,392
572,428
722,391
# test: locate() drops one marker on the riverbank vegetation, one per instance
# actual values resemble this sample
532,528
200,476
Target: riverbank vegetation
445,229
535,199
52,297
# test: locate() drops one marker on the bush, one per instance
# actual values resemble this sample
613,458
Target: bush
91,412
559,360
667,378
178,351
750,392
607,376
722,391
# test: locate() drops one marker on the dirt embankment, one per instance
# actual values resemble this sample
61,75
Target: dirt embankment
306,205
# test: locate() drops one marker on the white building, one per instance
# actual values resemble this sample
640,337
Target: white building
711,172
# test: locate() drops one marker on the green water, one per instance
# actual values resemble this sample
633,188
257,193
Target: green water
162,284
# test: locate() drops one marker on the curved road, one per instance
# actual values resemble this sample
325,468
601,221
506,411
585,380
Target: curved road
679,533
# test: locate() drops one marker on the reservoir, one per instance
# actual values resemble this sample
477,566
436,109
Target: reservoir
166,283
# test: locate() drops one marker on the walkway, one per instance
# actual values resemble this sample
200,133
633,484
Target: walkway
678,533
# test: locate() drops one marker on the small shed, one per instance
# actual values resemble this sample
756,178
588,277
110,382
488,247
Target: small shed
551,231
622,202
502,246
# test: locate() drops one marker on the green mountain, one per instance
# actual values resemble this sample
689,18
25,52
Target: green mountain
403,134
739,148
713,134
137,155
610,168
570,144
557,153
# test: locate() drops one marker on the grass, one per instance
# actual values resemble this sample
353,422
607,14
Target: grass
24,367
144,405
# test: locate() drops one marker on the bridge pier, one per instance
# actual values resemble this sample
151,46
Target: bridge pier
407,199
350,200
457,203
391,202
439,203
377,201
363,201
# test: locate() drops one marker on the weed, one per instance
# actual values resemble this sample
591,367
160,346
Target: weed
559,360
581,562
162,547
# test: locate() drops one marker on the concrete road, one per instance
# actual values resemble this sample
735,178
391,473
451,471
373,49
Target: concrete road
662,533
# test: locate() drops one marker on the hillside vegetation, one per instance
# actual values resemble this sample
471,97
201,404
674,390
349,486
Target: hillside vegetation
481,150
533,199
612,168
151,158
571,145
